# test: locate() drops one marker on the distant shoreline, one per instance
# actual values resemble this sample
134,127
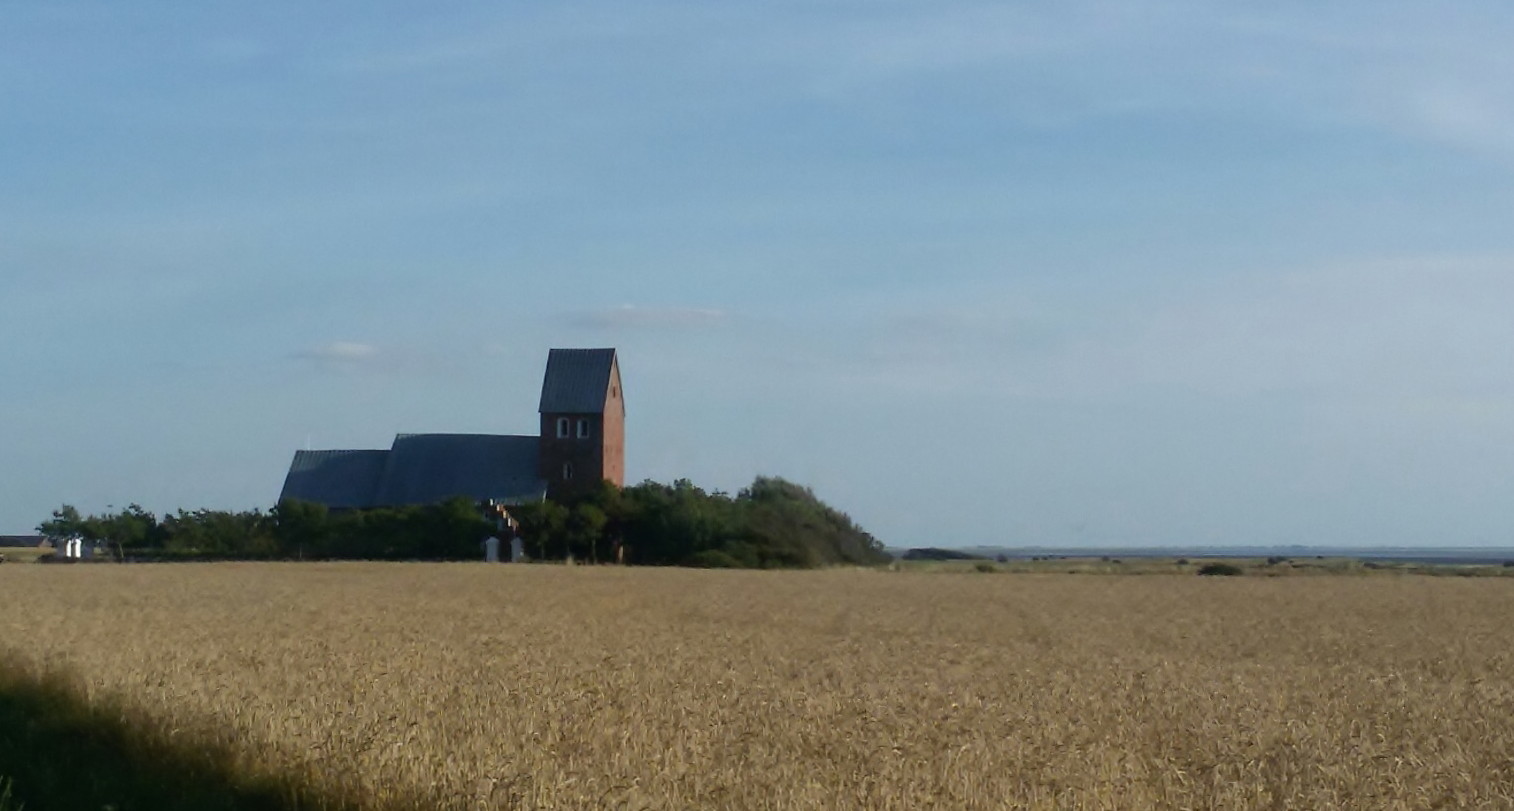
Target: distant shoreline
1487,555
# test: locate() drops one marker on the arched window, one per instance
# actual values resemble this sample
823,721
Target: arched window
583,428
567,471
562,427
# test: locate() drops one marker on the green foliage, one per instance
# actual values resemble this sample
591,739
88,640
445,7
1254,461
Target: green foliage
132,528
771,524
586,529
218,533
985,567
1220,569
541,524
65,523
448,531
714,559
451,530
933,553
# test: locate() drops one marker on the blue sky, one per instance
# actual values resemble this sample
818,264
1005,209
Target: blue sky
1084,273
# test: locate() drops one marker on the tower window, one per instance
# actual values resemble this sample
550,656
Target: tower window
562,427
567,471
583,429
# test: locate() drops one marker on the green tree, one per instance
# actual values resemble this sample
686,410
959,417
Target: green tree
543,527
586,531
65,523
132,528
303,528
218,533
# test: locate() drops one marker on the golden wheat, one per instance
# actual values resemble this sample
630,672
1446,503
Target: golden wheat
481,686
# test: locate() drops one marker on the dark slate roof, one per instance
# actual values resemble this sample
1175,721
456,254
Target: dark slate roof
427,468
338,479
419,469
577,381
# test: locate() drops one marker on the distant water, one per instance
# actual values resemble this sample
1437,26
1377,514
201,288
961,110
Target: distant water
1468,556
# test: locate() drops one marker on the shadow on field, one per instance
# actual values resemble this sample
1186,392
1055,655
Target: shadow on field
58,752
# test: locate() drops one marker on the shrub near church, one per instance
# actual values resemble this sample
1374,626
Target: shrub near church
773,523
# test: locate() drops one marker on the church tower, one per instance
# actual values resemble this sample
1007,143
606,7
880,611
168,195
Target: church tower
583,422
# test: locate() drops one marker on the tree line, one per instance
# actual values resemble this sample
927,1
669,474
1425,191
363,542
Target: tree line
773,523
293,530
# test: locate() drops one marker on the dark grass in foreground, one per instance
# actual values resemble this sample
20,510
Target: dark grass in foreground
61,751
7,802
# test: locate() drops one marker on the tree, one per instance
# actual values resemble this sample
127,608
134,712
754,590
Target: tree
221,534
302,528
450,530
133,527
66,523
586,526
543,526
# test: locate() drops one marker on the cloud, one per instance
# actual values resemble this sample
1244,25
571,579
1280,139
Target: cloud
395,362
1405,68
1388,330
341,352
1408,339
628,316
1461,113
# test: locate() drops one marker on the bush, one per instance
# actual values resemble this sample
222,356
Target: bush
1220,569
714,559
984,566
933,553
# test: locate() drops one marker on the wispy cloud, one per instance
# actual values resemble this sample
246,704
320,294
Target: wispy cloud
347,353
1402,335
1388,330
628,316
1041,66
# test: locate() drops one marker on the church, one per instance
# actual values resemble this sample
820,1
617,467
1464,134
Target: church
581,443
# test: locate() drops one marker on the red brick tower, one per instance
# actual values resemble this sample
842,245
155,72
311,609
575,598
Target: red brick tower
583,421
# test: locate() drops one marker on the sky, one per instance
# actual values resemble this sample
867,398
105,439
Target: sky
1083,273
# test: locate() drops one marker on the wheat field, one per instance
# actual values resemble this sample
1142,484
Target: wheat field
475,686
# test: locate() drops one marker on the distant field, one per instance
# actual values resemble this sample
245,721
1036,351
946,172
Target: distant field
24,554
1258,567
476,686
